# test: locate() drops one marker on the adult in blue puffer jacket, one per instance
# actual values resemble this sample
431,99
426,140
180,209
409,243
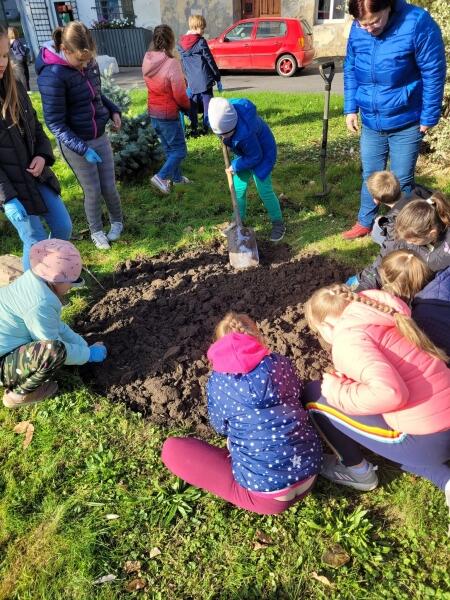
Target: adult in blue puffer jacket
394,76
274,453
237,123
76,112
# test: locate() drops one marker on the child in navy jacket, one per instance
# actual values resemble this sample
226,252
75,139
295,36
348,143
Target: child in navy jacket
200,69
274,454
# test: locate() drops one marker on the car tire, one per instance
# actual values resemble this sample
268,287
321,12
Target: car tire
286,65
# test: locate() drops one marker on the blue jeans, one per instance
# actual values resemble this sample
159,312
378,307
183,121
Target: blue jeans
32,229
170,133
424,455
401,147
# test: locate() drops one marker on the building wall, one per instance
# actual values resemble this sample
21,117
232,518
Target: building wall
148,13
219,14
86,12
330,39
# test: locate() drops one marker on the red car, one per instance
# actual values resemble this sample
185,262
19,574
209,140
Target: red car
265,43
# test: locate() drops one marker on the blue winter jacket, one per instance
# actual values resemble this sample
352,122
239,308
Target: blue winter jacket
75,110
31,312
397,78
198,63
252,141
270,438
431,310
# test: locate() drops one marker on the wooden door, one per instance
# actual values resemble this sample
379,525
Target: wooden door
269,8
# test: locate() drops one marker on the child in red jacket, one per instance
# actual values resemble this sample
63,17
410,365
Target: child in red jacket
166,98
389,391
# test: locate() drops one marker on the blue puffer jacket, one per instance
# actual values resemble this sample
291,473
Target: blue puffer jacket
75,110
397,78
252,141
254,399
198,63
431,310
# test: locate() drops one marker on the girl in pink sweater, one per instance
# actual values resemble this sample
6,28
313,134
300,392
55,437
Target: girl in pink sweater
389,392
166,97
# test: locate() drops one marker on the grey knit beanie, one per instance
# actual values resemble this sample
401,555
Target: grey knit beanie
222,116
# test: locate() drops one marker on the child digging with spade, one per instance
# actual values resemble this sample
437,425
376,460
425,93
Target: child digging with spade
237,123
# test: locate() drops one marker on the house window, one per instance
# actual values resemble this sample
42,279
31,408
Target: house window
330,10
114,9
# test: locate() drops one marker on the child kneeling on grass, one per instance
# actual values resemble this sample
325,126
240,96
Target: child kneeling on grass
405,275
34,342
389,391
166,98
274,454
421,226
239,126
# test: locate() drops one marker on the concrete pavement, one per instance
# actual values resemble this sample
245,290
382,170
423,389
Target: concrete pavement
308,80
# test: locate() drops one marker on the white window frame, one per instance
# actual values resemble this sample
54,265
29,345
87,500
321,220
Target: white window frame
318,21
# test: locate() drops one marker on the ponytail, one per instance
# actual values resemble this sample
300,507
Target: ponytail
57,38
76,39
237,323
421,222
334,299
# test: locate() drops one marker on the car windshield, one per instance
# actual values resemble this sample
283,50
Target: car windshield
242,31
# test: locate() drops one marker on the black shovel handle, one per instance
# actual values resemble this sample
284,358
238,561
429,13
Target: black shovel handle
327,77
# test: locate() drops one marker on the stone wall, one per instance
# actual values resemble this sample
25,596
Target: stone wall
219,14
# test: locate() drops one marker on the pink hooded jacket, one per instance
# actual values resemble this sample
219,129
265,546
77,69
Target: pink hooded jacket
381,372
166,86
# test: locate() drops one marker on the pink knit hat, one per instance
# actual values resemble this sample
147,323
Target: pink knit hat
55,261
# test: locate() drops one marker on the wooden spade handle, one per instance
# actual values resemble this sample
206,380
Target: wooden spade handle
226,158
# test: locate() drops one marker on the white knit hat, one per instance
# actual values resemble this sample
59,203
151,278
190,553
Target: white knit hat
222,116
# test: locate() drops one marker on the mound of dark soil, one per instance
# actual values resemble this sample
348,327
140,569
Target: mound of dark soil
158,319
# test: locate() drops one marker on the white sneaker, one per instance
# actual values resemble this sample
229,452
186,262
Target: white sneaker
115,231
100,240
163,185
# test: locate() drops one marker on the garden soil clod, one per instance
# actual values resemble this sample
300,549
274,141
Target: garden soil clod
158,318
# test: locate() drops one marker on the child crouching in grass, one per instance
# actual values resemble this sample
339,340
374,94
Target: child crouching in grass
406,275
239,126
389,392
274,454
166,98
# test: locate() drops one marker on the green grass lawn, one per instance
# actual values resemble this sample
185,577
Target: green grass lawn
90,460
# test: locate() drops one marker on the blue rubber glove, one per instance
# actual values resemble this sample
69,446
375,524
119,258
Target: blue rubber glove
97,353
352,281
15,211
219,86
92,157
189,92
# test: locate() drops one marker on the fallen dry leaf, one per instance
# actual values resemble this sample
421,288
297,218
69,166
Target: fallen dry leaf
263,538
28,435
155,552
105,579
201,229
135,584
322,579
112,516
335,556
132,566
21,427
259,546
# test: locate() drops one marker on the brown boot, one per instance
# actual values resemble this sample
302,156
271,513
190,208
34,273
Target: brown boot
46,390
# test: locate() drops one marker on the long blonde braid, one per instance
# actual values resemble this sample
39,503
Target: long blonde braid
237,323
333,299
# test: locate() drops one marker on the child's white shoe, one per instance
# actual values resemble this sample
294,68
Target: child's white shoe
163,185
100,240
115,231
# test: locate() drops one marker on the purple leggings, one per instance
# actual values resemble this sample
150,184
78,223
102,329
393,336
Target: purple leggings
424,455
209,467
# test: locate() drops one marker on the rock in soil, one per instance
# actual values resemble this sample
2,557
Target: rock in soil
158,316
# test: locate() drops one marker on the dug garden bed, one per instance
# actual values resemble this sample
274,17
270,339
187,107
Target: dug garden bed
158,316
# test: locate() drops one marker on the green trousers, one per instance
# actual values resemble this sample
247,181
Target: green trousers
26,368
265,191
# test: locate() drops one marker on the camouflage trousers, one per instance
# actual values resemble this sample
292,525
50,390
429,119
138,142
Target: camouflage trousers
28,367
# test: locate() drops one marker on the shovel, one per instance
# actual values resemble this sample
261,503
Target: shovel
327,73
242,248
